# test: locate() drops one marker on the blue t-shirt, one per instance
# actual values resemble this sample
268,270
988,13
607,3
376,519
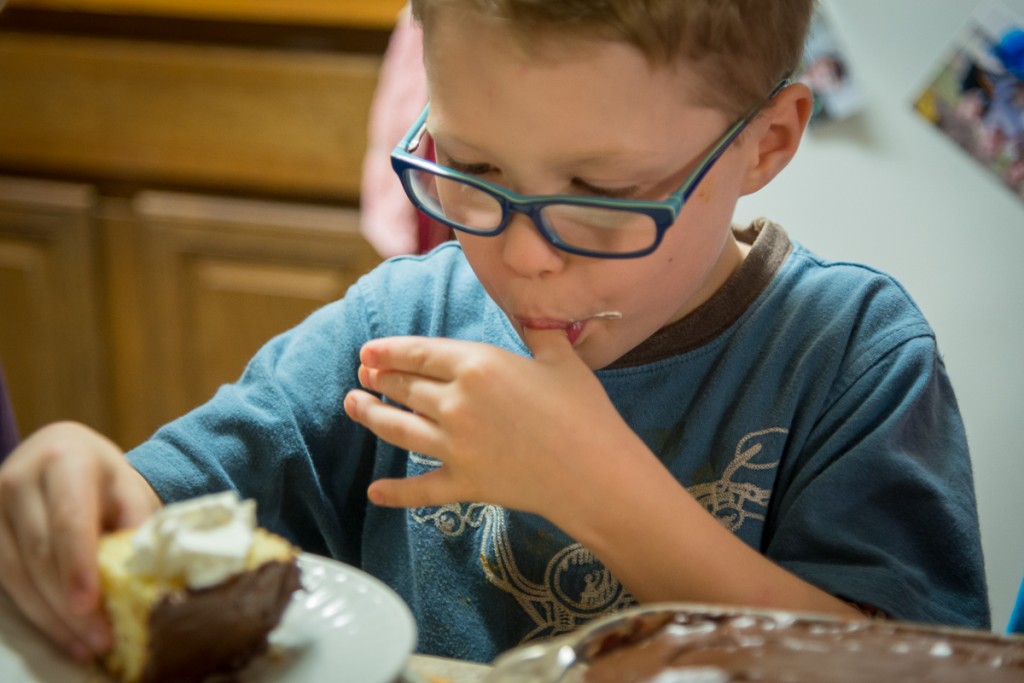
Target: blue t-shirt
805,405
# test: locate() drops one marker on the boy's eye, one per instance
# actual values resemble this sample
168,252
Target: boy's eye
468,169
606,192
579,186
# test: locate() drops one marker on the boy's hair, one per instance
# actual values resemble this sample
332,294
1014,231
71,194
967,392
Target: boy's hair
740,48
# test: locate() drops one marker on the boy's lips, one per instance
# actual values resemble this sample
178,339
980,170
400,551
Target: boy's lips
573,328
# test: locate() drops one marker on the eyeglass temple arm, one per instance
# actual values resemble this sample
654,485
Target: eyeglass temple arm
723,143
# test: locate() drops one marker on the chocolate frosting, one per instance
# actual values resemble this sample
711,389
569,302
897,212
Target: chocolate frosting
197,633
716,648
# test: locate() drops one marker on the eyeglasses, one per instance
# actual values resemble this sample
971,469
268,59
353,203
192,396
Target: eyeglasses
600,227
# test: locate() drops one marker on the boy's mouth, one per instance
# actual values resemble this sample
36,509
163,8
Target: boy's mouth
573,328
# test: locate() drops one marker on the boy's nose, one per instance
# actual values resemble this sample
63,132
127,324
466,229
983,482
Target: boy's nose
525,249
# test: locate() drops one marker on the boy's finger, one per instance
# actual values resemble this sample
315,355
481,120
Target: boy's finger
425,490
547,344
133,500
32,536
30,569
426,356
73,490
411,431
22,591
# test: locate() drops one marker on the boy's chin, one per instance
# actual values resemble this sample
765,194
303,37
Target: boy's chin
596,356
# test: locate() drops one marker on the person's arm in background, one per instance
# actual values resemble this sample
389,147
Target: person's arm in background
388,219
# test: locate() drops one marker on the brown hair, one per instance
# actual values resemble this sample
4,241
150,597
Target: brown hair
741,48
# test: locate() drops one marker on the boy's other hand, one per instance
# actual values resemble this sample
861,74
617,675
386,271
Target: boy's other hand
518,432
59,490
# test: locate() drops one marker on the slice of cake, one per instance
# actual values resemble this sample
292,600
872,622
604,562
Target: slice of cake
194,591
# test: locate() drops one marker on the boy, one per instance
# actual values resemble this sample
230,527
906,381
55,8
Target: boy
589,400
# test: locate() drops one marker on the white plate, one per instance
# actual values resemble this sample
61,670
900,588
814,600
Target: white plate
343,622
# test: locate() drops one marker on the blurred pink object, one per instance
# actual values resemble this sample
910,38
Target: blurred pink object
389,221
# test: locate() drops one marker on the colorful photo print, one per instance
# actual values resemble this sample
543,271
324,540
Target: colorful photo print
977,96
825,70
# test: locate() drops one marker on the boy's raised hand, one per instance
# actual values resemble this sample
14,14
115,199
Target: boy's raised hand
513,431
58,490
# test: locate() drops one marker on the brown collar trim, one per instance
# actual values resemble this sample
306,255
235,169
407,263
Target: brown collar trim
769,248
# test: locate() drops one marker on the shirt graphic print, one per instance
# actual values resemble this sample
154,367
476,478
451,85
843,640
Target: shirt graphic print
574,587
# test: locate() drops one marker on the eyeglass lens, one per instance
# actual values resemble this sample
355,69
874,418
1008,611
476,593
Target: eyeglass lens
600,230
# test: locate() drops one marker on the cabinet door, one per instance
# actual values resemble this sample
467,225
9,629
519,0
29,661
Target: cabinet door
49,318
223,276
186,114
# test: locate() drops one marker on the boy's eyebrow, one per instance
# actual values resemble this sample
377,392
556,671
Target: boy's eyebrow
621,165
589,158
446,137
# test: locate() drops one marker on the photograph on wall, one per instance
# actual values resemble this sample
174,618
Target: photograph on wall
977,95
825,69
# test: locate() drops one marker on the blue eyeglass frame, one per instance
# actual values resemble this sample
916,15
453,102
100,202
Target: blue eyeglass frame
663,213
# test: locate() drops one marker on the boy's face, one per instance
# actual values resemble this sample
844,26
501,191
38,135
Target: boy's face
592,118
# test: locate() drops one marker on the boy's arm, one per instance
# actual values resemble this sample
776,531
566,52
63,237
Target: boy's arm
278,435
541,436
668,548
878,505
619,514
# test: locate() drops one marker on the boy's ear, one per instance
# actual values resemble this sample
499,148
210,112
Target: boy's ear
778,134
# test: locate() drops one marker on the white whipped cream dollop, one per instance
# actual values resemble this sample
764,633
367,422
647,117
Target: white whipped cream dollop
202,541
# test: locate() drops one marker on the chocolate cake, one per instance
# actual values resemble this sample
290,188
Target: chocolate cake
706,644
182,616
673,647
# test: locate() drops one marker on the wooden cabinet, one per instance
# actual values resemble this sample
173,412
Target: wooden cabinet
179,182
376,14
211,280
50,315
235,118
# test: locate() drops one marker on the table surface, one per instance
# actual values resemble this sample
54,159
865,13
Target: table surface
427,669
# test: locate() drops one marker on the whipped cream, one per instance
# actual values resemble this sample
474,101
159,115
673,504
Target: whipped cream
202,541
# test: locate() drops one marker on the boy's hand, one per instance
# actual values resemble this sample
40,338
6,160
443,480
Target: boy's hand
509,430
58,490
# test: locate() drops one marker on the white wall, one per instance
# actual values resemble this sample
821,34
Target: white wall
888,189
